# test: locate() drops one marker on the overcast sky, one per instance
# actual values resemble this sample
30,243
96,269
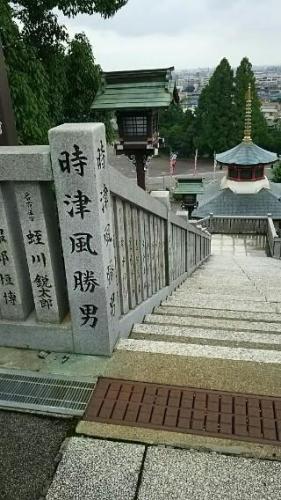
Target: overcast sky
184,33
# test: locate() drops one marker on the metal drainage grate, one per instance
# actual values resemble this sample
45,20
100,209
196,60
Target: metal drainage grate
47,394
188,410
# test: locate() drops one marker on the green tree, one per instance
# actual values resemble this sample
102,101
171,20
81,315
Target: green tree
28,81
215,113
84,77
188,127
71,8
38,58
202,115
274,138
42,31
176,126
245,76
276,177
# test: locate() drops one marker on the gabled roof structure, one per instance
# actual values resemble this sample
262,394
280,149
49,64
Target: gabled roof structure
153,88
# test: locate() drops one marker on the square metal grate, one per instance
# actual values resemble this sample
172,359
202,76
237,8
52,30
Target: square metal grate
186,409
44,393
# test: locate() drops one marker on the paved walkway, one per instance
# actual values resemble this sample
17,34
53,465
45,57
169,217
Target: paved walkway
221,329
103,470
225,319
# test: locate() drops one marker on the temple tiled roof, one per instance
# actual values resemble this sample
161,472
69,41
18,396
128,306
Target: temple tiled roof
136,89
226,203
246,153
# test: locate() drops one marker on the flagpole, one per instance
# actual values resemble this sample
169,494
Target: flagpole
173,161
215,165
195,162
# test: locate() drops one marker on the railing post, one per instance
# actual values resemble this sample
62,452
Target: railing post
16,300
164,197
81,176
37,212
185,215
211,215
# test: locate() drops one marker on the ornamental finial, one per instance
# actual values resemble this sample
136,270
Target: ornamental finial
248,116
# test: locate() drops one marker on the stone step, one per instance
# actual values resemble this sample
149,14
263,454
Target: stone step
256,371
261,356
215,283
218,285
207,337
212,323
235,293
222,297
171,310
272,296
229,305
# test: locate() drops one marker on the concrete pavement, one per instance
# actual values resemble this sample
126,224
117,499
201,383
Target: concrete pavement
105,470
111,469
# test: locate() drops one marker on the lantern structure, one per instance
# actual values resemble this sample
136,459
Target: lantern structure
186,191
136,98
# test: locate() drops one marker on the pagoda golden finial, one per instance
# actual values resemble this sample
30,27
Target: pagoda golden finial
248,116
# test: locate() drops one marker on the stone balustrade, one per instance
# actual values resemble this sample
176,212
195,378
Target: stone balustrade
84,253
274,242
244,225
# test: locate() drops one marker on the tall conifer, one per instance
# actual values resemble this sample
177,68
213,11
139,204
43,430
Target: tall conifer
215,113
245,76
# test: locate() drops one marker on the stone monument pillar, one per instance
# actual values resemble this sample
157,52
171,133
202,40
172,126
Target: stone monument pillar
81,176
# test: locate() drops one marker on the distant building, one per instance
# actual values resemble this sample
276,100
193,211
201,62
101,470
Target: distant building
272,112
191,82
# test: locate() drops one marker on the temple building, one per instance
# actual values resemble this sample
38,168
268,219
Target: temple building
244,190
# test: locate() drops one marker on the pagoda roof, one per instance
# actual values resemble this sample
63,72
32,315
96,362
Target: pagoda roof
246,153
150,89
227,203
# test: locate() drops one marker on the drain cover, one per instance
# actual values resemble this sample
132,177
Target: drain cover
46,394
185,409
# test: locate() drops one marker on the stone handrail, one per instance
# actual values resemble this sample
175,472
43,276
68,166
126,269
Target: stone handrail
235,224
245,225
156,249
274,242
84,253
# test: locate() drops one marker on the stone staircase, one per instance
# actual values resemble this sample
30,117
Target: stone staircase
220,329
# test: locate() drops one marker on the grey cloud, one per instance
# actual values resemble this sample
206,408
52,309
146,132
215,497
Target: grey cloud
140,17
187,33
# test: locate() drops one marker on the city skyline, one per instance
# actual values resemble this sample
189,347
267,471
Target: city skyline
183,34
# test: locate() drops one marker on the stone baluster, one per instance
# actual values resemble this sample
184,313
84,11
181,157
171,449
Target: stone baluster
39,224
15,290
